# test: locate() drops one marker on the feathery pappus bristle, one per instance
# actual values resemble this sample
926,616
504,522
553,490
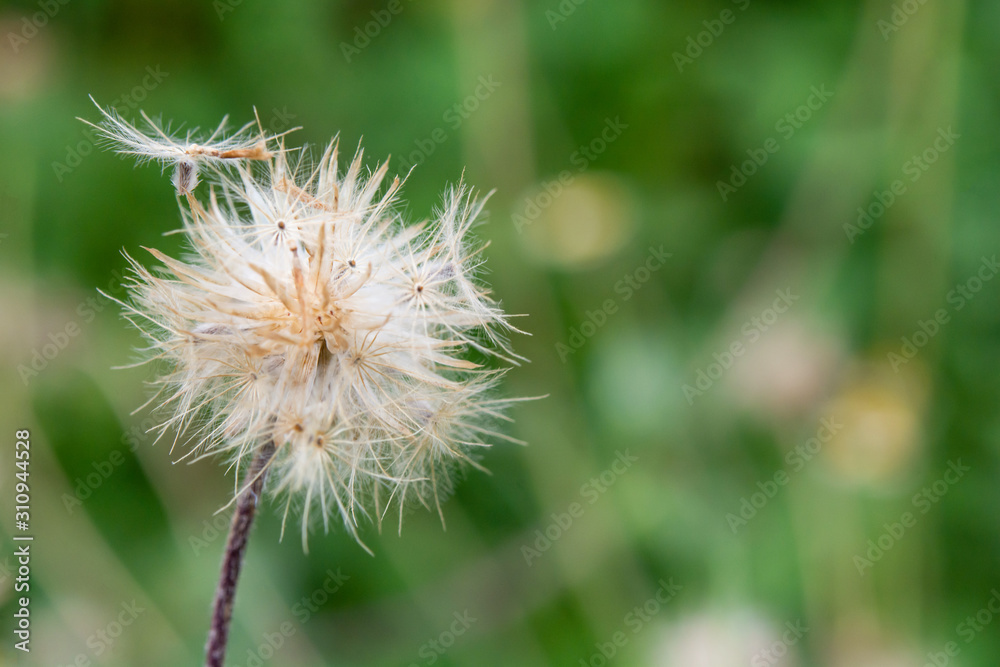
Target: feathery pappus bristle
310,316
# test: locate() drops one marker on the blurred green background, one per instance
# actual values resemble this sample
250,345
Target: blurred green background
794,387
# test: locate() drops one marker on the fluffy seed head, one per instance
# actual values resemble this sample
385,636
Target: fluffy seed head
309,315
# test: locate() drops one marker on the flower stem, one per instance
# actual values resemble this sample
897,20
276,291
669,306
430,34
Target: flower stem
232,561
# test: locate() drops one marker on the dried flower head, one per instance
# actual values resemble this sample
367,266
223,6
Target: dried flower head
311,318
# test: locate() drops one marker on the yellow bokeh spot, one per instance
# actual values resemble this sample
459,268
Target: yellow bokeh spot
577,221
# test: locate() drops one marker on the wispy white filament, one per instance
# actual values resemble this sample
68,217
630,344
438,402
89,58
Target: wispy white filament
310,315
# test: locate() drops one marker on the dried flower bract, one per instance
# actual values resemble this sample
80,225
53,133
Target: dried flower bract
309,315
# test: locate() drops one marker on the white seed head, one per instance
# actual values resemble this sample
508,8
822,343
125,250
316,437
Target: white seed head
309,315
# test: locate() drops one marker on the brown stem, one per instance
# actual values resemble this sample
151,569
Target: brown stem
232,562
